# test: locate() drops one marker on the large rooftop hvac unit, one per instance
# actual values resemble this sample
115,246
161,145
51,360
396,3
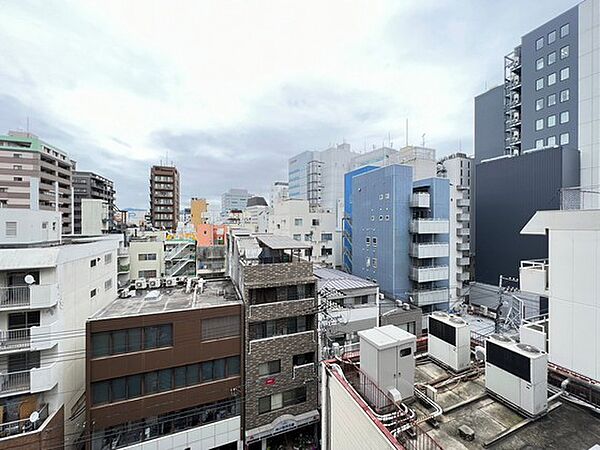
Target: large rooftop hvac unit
387,357
518,374
449,341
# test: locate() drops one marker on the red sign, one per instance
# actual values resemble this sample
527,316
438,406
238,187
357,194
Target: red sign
270,381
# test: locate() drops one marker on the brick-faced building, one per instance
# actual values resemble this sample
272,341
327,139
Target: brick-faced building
165,366
280,326
164,197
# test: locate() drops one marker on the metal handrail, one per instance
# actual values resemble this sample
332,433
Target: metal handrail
15,339
24,425
15,381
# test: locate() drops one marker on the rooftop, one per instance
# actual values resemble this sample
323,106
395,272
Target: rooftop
214,293
341,281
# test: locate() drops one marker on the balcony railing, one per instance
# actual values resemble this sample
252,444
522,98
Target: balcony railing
464,276
429,226
123,251
465,231
463,261
16,427
430,297
425,274
463,246
34,296
533,276
463,217
420,200
429,250
15,382
463,202
15,339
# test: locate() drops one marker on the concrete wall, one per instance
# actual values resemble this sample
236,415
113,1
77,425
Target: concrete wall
138,247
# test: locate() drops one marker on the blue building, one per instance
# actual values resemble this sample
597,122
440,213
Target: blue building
400,234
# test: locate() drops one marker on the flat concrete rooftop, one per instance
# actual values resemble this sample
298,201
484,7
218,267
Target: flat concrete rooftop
215,293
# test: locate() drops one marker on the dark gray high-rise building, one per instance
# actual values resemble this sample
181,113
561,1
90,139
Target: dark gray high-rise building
94,186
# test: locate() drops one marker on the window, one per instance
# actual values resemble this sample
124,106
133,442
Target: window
304,358
147,257
100,344
219,369
551,37
552,79
539,143
93,293
11,228
551,121
551,58
297,237
564,95
108,258
405,352
146,273
207,371
380,218
387,195
380,196
564,74
269,368
100,392
17,155
298,222
539,84
368,240
539,64
220,327
539,43
372,218
564,30
374,240
281,327
277,401
374,263
551,141
233,366
326,236
564,117
315,222
387,217
539,104
17,178
150,382
368,262
134,386
564,139
307,237
552,100
539,124
108,284
326,251
17,167
564,52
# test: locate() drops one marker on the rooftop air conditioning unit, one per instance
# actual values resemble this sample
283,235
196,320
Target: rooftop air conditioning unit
140,283
449,341
171,282
154,283
517,374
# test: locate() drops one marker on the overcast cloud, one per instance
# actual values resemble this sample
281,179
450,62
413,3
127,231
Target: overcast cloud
231,89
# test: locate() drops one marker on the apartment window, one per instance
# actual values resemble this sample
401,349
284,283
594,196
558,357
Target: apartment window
551,37
539,124
17,178
564,117
308,237
297,237
147,257
44,225
374,240
269,368
368,241
539,64
380,196
539,143
539,104
564,139
108,258
11,228
17,167
315,222
564,95
108,284
146,273
281,327
374,263
298,222
552,79
17,155
552,100
564,30
372,218
277,401
539,84
551,58
368,262
220,327
387,195
564,52
327,236
387,217
564,74
304,358
551,121
93,293
539,43
551,141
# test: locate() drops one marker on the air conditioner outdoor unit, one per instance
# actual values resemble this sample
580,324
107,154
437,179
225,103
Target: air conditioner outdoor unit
154,283
517,374
140,283
171,282
449,341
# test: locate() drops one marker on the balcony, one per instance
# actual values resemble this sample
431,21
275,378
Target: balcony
34,380
429,226
122,251
463,246
420,200
33,338
463,202
431,297
17,427
426,274
533,276
304,372
464,276
28,297
123,268
463,217
464,261
429,250
463,231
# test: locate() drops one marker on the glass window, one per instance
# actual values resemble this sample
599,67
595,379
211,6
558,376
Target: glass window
179,377
326,236
264,404
100,344
220,327
100,392
539,84
551,120
150,337
233,366
134,339
564,138
134,386
192,374
93,293
564,117
539,43
564,74
551,141
551,37
219,369
552,100
207,371
298,222
150,383
539,124
118,388
269,367
165,335
165,380
551,58
539,143
276,401
552,79
297,237
539,64
564,95
315,222
301,324
304,358
564,30
564,52
119,341
539,104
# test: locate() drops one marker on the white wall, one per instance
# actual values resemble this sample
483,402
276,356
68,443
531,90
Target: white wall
138,247
93,214
30,226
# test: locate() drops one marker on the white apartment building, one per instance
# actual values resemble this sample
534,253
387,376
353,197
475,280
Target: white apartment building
95,216
294,218
280,190
49,286
147,255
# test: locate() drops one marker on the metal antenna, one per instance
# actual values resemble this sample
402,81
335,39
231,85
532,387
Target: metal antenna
406,132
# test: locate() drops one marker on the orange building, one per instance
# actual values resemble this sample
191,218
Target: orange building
208,235
199,210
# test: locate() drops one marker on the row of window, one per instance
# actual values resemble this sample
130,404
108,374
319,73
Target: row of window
551,141
274,367
107,260
564,74
134,386
260,296
298,222
387,196
551,58
147,257
308,237
281,327
551,120
564,31
381,217
107,287
371,240
131,340
551,99
280,400
371,262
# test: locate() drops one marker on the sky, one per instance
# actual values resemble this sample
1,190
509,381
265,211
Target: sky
228,91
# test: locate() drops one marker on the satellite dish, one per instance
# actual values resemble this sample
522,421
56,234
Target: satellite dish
29,279
34,417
